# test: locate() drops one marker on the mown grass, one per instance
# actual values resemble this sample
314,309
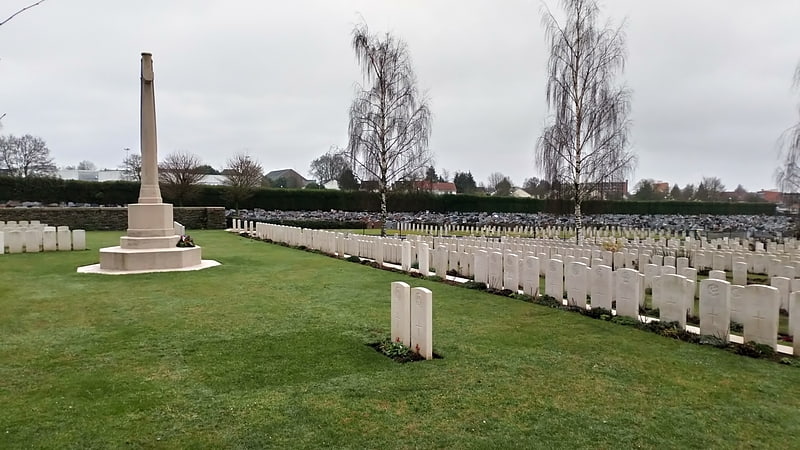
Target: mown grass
269,350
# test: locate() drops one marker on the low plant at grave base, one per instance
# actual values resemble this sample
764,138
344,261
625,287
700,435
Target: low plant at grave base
269,350
397,351
354,259
185,241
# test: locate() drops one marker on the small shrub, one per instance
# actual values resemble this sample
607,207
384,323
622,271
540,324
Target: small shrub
397,351
596,313
524,297
648,291
434,278
789,361
354,259
714,341
754,350
547,300
625,320
736,327
475,285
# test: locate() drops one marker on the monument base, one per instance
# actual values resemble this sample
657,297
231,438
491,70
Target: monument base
95,268
118,258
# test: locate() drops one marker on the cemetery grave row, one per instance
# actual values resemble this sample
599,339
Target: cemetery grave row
573,273
34,236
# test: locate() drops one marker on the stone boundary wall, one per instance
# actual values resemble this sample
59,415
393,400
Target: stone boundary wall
115,219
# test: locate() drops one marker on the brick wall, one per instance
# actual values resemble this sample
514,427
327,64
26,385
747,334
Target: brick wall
116,219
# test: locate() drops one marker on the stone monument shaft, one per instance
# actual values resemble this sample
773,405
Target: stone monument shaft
149,191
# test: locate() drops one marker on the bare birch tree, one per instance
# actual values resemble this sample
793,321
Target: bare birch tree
788,174
586,143
389,119
132,166
179,174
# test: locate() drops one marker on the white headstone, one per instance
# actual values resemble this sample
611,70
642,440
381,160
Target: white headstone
2,242
602,287
577,282
401,313
627,290
740,273
717,275
738,308
405,257
671,295
64,239
783,285
511,272
496,270
715,308
530,276
794,320
79,239
424,258
554,279
762,305
33,241
422,322
15,240
482,267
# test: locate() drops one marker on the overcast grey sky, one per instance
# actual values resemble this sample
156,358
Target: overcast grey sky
711,80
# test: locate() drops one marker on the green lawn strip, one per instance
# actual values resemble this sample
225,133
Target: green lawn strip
269,349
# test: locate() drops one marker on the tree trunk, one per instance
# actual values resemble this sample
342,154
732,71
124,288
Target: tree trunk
578,221
383,212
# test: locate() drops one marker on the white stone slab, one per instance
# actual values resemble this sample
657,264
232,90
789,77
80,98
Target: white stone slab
424,258
511,272
495,270
530,276
577,282
64,239
716,274
671,295
738,308
33,241
554,279
783,285
602,287
482,267
794,320
422,322
627,291
762,305
79,239
740,273
401,313
15,240
715,308
405,257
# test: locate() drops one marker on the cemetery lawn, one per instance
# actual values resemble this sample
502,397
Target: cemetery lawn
269,349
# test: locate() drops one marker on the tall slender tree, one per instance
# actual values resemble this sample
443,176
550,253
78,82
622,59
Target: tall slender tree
587,141
389,119
788,174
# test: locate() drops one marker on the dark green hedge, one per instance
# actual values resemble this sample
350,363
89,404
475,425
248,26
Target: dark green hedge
54,190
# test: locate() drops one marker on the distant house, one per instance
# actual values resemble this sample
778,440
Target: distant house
437,188
520,193
287,178
333,184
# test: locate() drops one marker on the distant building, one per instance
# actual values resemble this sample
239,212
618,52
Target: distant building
437,188
520,193
92,175
287,178
608,190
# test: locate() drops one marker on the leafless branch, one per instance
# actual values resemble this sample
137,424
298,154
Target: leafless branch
20,12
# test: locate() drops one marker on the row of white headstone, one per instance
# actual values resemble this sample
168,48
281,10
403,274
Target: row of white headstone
412,318
755,306
48,239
